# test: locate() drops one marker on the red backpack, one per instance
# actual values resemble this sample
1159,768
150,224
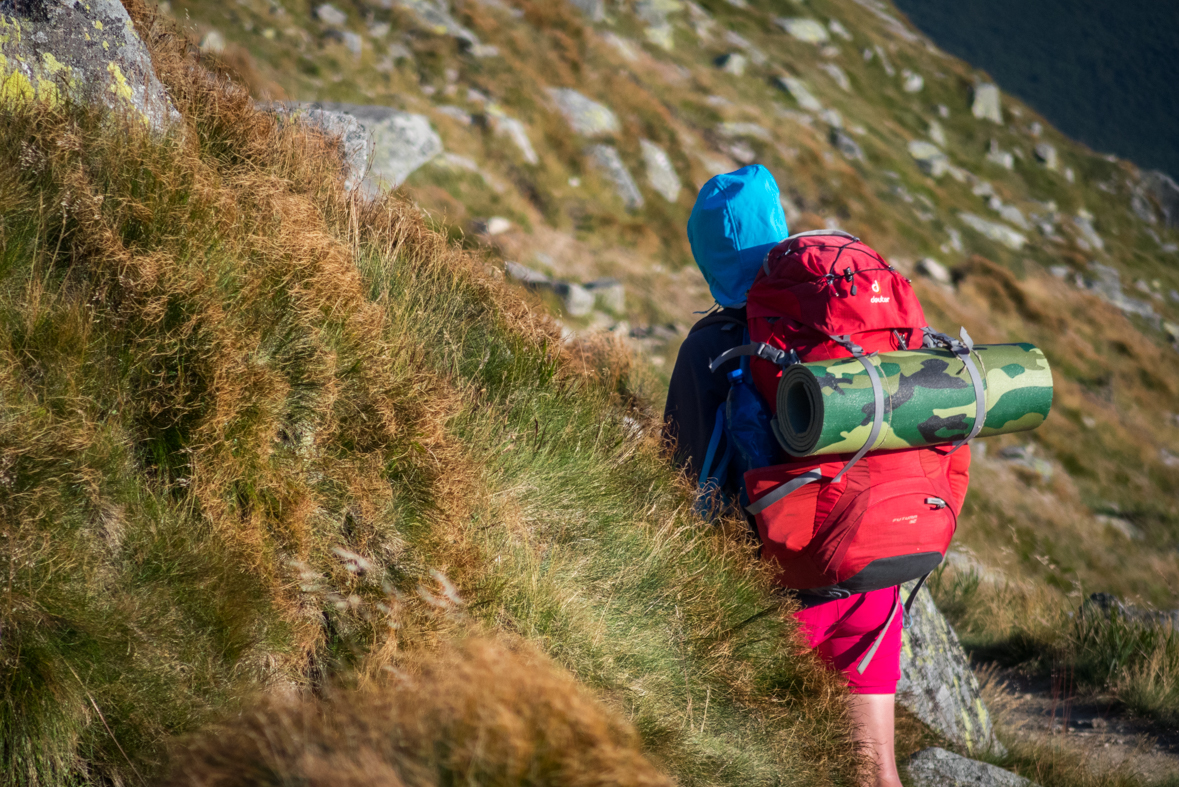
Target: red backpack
843,524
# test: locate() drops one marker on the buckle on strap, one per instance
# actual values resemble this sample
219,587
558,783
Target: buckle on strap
761,350
964,349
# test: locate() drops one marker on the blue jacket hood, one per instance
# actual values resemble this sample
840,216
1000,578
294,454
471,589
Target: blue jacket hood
737,219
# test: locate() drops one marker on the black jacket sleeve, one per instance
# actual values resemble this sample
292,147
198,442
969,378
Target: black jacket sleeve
695,393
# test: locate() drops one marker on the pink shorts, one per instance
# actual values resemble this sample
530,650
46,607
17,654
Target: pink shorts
843,631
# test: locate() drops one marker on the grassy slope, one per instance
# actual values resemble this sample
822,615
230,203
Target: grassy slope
1117,381
252,429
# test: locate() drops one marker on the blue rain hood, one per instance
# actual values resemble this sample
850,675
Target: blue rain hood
737,219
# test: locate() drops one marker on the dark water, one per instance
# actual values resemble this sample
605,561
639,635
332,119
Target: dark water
1105,72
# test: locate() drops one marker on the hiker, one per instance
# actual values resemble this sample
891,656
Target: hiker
736,222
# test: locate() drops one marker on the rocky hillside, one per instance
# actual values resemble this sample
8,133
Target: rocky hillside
567,139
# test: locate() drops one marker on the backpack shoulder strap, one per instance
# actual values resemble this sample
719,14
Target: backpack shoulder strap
717,318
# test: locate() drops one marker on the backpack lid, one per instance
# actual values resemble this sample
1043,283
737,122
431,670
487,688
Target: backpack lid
736,220
834,283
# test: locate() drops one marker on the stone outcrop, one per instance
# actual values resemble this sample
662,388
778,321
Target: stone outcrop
936,767
838,75
661,174
1108,285
732,63
846,145
87,52
1000,233
656,14
937,684
606,160
1046,154
586,116
1087,237
987,103
912,82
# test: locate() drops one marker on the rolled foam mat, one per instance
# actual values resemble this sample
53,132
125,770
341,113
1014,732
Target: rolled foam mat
827,407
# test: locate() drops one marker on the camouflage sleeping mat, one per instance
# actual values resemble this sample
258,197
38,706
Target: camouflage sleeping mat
828,407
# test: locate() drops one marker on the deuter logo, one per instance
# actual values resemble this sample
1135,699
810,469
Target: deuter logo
879,298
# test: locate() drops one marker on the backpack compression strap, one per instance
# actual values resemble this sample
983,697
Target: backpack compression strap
964,350
877,400
772,354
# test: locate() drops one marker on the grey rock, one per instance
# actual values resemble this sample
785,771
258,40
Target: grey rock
656,15
435,16
929,157
803,29
937,685
935,767
526,275
756,56
1089,240
913,82
213,42
1003,158
1108,286
586,116
355,142
1047,155
1014,215
732,63
594,10
605,159
838,75
832,118
1120,525
1060,271
578,301
995,231
935,270
737,130
937,133
610,294
397,143
846,145
514,130
89,50
1165,192
798,89
987,103
352,41
836,27
661,174
330,15
455,113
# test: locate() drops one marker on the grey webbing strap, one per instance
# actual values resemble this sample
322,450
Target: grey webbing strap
761,504
980,392
762,350
964,350
877,400
907,621
864,662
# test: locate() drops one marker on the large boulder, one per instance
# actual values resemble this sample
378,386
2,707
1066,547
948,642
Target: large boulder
937,685
381,146
936,767
88,51
586,116
987,103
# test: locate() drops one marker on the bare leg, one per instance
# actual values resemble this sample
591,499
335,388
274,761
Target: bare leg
874,718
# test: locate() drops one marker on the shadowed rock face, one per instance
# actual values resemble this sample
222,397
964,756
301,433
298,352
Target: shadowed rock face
937,685
88,51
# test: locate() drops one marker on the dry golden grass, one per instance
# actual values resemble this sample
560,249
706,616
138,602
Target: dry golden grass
478,713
